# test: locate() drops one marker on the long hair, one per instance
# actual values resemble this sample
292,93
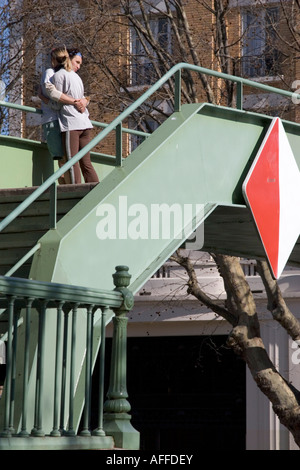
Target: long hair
60,54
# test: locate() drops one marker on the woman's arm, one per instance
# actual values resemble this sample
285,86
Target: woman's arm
57,95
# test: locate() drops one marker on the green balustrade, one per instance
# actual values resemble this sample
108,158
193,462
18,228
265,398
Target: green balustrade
43,299
40,300
116,408
116,124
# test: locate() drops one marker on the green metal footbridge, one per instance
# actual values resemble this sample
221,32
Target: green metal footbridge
72,257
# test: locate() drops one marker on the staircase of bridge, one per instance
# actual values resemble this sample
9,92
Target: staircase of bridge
57,238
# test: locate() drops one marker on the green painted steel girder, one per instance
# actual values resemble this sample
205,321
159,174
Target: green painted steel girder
198,158
28,163
200,155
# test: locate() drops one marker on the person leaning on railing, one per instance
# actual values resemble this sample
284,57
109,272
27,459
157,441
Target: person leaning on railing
74,121
52,100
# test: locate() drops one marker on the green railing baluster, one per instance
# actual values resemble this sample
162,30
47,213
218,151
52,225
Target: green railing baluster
91,362
99,431
6,432
64,372
239,95
177,93
24,432
119,144
58,366
53,205
38,427
88,372
71,431
37,381
13,372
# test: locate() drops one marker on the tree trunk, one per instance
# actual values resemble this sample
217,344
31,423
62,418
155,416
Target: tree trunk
245,339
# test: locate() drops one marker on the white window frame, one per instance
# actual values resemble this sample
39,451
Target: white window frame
141,63
152,123
255,43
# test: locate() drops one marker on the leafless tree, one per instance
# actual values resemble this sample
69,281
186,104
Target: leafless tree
239,308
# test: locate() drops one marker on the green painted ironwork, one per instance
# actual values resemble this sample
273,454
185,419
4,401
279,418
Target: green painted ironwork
188,159
58,361
175,141
117,408
119,144
35,165
239,95
30,109
117,123
24,432
42,297
99,431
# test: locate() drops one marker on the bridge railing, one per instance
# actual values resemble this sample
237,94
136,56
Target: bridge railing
116,124
63,301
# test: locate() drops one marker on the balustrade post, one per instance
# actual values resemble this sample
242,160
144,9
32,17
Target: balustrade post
53,205
116,408
239,95
99,431
9,361
58,367
71,431
119,144
13,377
40,372
177,94
24,432
64,372
88,372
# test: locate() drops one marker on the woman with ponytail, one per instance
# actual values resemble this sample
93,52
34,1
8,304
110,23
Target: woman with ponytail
75,125
50,108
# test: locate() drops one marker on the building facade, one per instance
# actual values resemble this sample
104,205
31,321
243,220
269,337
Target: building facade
164,311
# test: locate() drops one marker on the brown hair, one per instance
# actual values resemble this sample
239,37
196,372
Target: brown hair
73,53
60,54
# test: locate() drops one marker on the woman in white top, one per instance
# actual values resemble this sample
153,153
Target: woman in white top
51,104
50,124
75,126
51,101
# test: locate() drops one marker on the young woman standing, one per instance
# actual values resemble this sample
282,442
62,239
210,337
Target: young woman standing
75,124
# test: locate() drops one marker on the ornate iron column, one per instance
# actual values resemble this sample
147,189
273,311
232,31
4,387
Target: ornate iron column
116,408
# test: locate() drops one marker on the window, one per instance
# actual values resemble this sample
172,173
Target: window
155,113
136,140
145,55
260,55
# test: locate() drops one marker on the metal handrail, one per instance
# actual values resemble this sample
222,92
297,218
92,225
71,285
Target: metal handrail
60,292
29,109
175,70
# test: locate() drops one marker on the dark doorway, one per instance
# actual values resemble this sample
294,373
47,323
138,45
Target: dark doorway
186,393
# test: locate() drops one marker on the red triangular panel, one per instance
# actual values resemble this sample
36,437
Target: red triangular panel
262,192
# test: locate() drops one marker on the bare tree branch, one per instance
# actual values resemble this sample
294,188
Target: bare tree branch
276,303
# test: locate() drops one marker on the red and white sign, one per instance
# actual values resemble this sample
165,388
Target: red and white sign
272,192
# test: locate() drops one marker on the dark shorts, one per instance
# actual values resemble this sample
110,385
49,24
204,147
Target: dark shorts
53,138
